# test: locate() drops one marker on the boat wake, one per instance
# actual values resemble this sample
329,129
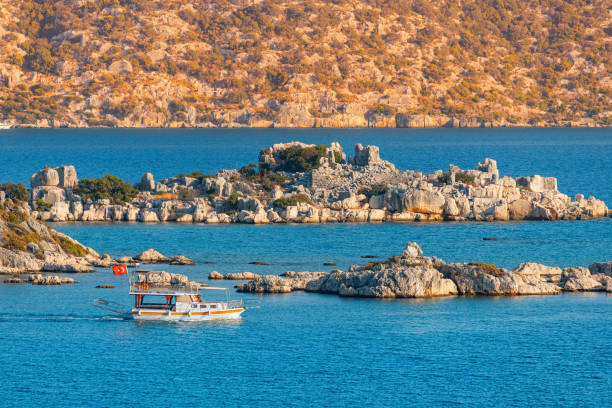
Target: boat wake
35,317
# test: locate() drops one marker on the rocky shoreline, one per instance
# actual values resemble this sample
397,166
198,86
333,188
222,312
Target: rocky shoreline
300,183
413,275
28,246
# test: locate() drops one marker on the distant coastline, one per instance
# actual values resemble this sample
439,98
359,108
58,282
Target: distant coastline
449,125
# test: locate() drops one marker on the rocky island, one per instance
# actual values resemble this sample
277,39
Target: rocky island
412,275
305,183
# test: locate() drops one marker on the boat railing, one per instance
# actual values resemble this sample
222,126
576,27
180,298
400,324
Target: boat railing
148,287
234,304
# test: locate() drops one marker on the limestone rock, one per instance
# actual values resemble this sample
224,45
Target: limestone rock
365,156
147,182
580,279
151,256
412,250
549,273
49,280
120,67
45,177
480,279
419,201
215,275
67,176
277,284
180,260
395,281
241,276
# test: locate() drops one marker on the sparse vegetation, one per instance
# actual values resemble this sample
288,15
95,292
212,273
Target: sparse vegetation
42,205
184,193
291,201
197,175
487,268
460,177
232,201
70,247
373,190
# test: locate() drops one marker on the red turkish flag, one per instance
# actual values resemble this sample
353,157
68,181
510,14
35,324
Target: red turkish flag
120,269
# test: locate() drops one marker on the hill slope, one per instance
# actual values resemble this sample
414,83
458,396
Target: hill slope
305,63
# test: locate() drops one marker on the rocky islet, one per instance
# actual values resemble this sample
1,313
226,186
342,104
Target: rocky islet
413,275
335,188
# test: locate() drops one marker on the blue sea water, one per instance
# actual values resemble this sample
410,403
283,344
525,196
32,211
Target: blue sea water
307,349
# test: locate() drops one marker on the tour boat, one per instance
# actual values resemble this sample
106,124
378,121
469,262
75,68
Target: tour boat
5,126
176,301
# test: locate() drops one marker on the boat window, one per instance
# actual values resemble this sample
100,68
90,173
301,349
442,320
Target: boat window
213,306
202,306
194,305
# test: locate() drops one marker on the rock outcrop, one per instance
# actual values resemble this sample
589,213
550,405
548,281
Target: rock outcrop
151,256
414,275
241,276
29,246
215,275
276,284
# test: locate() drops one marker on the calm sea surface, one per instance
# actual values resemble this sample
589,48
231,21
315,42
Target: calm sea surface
308,349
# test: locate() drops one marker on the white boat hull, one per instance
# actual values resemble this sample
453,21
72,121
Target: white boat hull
156,315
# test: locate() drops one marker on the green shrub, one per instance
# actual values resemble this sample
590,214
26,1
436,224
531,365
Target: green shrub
277,78
197,175
300,159
291,201
460,177
248,171
184,193
267,179
15,191
42,205
232,200
271,180
39,57
111,187
373,190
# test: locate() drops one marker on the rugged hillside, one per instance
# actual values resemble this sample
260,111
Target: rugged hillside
305,63
27,245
